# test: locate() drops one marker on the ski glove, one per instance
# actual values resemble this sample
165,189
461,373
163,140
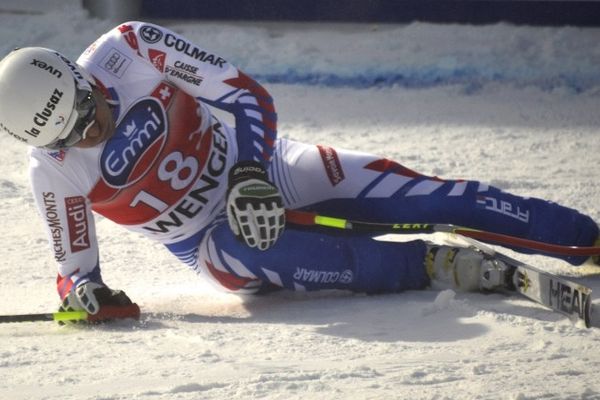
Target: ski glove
254,206
100,302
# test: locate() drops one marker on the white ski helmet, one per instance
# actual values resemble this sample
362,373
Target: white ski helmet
38,89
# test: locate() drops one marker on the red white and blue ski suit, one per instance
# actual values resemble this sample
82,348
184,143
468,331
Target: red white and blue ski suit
164,174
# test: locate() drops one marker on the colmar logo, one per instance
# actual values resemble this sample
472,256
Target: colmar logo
315,276
150,34
192,51
78,223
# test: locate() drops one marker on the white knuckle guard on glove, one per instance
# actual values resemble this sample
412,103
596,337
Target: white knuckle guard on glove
254,207
91,297
83,298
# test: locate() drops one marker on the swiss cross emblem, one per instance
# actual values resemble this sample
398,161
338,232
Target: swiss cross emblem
164,93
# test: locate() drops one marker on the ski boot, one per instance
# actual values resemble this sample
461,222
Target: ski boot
464,269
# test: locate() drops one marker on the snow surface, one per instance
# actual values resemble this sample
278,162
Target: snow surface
518,107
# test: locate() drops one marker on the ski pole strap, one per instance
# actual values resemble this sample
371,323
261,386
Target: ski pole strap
312,219
57,316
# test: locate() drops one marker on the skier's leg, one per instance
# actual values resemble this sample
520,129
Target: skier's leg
311,260
305,260
356,185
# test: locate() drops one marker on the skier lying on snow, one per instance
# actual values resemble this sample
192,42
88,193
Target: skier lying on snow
127,133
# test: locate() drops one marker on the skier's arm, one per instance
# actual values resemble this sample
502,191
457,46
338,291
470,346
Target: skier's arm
69,223
256,218
67,217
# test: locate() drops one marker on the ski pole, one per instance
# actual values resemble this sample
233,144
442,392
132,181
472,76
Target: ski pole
313,219
106,313
60,316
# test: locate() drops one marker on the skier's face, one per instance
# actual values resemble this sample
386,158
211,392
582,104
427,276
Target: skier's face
104,125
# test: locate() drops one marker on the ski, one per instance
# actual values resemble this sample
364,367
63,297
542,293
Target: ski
559,294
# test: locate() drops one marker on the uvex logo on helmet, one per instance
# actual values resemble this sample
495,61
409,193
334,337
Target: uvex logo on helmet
47,67
38,87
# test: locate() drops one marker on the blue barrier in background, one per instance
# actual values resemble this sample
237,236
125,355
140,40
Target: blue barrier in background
527,12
